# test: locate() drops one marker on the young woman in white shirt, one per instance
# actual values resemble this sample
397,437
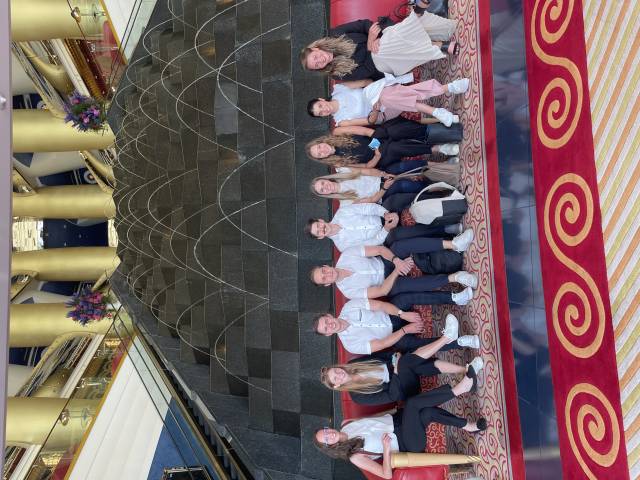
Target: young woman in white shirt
363,440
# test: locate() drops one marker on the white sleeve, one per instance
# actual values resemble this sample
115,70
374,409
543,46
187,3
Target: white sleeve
356,346
354,251
356,304
343,170
367,209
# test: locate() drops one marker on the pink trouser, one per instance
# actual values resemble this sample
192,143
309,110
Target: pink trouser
402,98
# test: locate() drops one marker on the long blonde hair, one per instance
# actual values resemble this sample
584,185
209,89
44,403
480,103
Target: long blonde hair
339,141
342,49
337,177
364,382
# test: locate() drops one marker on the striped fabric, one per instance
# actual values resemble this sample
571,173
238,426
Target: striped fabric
612,31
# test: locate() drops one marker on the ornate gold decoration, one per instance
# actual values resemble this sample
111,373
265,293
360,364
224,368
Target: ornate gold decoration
65,201
591,417
569,209
408,460
557,113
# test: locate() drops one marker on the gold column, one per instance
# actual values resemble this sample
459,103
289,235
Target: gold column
39,131
71,264
56,74
38,324
405,459
48,19
65,201
30,420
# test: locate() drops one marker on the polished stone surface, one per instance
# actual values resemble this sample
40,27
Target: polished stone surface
520,229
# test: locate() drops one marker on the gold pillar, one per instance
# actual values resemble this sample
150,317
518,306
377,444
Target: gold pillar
55,74
30,420
405,459
36,130
65,201
38,324
48,19
71,264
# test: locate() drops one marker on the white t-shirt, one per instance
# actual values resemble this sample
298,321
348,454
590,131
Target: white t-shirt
365,272
353,103
371,430
365,325
381,374
364,185
360,224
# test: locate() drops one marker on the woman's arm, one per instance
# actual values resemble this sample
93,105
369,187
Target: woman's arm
357,83
374,161
354,122
353,130
372,199
368,465
372,172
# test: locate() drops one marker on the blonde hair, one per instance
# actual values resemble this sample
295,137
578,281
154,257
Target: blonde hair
339,141
337,177
364,382
342,49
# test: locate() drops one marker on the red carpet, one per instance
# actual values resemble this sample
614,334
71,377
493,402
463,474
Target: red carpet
581,339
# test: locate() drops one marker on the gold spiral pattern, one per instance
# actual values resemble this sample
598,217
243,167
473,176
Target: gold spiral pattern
592,420
571,210
554,114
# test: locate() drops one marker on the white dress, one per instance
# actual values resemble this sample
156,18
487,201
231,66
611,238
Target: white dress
371,431
407,44
364,185
353,103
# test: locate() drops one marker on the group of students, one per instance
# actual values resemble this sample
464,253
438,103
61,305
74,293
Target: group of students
366,150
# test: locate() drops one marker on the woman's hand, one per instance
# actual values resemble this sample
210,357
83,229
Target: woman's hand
387,183
391,220
373,43
411,317
386,442
413,328
403,266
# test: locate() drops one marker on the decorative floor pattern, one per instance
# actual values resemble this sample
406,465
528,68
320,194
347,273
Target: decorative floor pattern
480,316
612,41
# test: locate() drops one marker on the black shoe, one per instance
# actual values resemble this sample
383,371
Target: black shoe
471,373
482,424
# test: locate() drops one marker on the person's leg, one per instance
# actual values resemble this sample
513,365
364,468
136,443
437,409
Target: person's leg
405,185
418,230
419,366
438,415
398,202
406,301
447,367
406,97
425,283
411,343
438,134
404,248
397,166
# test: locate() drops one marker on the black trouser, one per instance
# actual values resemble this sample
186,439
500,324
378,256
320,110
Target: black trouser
406,301
404,248
418,230
410,342
410,423
399,201
410,368
402,129
425,283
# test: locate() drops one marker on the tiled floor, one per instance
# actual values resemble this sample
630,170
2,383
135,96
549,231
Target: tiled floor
526,302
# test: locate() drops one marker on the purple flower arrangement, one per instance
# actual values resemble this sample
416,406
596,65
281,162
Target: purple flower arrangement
86,113
87,306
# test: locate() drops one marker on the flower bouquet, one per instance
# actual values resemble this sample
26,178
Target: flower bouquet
86,113
87,306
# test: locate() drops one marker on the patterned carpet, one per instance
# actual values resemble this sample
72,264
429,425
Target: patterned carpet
480,316
612,41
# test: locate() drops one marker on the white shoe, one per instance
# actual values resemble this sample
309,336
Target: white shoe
470,341
460,85
456,119
465,278
477,363
461,242
444,116
463,297
453,161
451,327
449,149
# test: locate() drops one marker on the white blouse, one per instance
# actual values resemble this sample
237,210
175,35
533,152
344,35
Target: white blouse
365,272
353,103
360,224
371,430
364,185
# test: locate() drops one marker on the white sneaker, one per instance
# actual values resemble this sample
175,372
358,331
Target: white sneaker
470,341
449,149
463,297
444,116
451,327
456,119
460,85
453,161
477,363
461,242
465,278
